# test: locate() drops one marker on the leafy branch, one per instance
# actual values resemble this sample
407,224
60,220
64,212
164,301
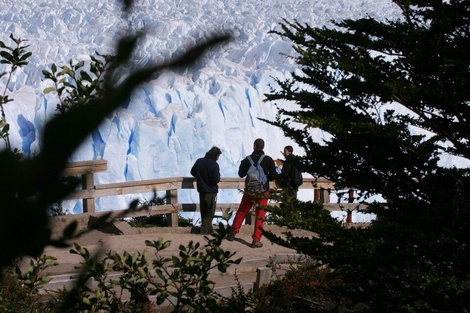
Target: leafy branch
31,186
15,57
78,83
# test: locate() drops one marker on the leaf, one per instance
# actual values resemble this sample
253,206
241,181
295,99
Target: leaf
84,75
176,261
7,56
79,64
222,267
48,90
25,56
141,272
86,300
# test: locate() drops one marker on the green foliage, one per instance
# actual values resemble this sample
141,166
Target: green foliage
57,209
32,186
33,278
128,282
180,282
78,83
21,291
29,188
240,301
304,289
185,221
393,98
15,57
13,296
157,220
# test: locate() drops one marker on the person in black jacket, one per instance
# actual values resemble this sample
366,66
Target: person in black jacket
207,173
290,178
249,199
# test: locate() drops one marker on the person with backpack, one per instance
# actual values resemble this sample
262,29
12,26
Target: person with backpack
207,173
291,177
259,169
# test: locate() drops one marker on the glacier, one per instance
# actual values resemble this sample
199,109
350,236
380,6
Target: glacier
174,119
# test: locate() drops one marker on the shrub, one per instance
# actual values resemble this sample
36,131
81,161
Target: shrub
24,291
305,288
180,282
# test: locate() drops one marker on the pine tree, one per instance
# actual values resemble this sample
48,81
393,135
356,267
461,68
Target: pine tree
393,97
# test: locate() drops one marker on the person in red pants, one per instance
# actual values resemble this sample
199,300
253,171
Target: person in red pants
250,199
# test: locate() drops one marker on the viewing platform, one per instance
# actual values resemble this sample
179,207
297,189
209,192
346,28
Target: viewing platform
321,189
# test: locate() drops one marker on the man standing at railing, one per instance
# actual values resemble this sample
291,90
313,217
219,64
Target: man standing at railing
207,173
249,199
291,177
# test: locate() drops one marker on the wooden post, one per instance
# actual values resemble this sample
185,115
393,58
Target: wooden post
172,198
86,170
321,194
351,195
350,200
325,195
88,182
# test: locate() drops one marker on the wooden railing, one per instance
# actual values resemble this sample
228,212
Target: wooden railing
320,191
86,170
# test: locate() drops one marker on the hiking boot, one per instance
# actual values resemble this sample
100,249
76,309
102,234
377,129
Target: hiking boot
256,244
230,236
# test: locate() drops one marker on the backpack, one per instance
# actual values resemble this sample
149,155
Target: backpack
297,179
255,178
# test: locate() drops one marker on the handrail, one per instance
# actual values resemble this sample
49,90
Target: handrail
89,192
175,183
85,167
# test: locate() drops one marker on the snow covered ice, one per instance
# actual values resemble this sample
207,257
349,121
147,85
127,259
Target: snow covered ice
175,119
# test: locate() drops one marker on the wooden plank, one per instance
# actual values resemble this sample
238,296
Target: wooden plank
222,207
153,210
143,184
175,209
171,183
344,206
120,189
84,167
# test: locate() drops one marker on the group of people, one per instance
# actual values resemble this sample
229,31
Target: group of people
207,173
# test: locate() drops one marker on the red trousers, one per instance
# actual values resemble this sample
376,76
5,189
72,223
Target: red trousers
245,206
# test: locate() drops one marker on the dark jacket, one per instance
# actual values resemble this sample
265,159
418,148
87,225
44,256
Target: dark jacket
267,164
287,173
207,174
